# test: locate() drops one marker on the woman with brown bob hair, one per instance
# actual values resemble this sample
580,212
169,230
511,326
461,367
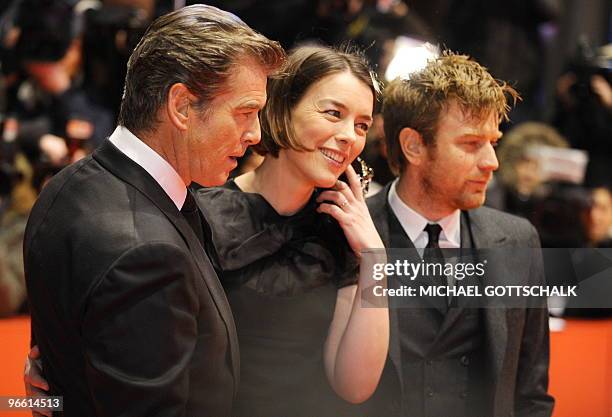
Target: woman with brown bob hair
289,270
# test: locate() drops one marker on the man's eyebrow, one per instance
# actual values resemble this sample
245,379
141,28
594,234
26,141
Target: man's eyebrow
495,135
251,105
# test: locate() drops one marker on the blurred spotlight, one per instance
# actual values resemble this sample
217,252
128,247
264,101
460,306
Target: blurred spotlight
410,55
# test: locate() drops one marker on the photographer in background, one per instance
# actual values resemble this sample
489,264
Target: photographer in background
584,110
54,119
46,120
18,203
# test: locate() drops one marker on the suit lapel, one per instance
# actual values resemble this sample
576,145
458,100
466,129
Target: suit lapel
377,204
383,218
486,235
130,172
485,232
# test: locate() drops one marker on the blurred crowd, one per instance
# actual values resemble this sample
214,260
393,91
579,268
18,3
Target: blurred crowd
63,63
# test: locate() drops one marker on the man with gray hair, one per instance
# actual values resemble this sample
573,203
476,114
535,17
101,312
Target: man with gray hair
127,310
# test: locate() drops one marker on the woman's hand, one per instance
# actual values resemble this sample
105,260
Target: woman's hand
35,384
346,204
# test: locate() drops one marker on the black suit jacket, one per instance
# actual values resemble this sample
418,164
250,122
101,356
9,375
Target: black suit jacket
127,309
517,340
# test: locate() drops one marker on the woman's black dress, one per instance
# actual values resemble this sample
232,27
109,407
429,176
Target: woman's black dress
281,275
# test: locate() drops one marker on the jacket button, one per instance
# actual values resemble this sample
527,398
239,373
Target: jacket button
465,361
430,392
463,395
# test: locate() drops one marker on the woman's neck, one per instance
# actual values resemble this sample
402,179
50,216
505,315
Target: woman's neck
279,184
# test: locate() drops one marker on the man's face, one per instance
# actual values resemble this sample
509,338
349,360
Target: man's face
228,125
458,166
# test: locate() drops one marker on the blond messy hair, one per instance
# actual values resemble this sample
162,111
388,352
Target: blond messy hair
418,101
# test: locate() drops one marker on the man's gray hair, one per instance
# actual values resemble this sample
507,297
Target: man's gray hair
198,46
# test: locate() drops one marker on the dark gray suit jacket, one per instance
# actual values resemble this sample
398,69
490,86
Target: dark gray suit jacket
127,310
517,340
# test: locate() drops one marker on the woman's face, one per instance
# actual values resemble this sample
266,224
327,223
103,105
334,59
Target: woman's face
332,119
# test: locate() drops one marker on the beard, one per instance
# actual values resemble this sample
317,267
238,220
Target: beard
442,196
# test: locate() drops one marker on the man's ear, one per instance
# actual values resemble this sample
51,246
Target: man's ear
177,105
412,145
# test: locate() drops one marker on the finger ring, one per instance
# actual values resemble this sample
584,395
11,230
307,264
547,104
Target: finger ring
344,204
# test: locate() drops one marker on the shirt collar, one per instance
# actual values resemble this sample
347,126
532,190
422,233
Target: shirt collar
413,223
161,171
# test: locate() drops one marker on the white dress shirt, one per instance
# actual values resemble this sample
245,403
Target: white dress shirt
414,224
161,171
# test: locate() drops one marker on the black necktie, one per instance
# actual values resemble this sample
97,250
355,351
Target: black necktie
433,244
433,254
192,214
